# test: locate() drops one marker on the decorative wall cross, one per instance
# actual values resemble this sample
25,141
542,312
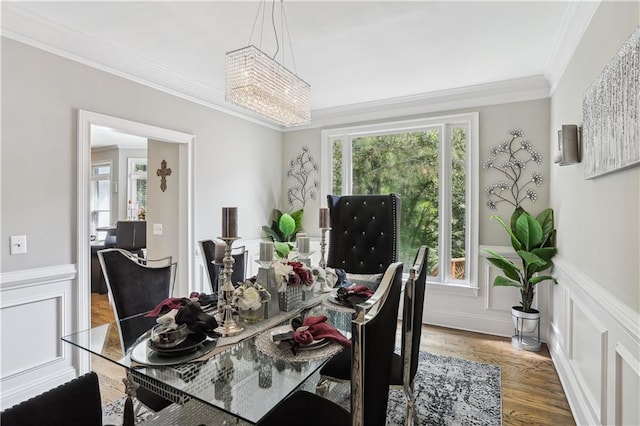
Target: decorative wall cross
163,172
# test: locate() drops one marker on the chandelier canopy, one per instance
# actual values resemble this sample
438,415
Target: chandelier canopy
256,81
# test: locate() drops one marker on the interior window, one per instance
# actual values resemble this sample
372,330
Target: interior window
137,189
100,195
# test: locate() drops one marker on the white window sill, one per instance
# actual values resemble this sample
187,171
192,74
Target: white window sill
454,289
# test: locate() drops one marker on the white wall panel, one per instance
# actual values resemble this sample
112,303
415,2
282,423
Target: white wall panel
588,356
594,340
627,378
36,311
30,334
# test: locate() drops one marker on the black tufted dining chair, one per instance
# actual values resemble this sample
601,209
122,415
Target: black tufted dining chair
405,364
373,330
76,402
363,238
136,288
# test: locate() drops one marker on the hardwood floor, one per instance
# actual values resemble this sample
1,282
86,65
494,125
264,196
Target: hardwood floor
531,390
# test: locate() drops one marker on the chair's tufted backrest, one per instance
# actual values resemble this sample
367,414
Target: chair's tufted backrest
364,232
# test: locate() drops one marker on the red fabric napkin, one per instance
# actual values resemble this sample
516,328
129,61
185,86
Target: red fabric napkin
168,303
316,328
362,290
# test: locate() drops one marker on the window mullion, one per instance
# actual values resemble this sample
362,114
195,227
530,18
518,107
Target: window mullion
445,203
347,164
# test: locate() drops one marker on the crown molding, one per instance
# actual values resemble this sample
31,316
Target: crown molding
506,91
575,22
26,27
32,29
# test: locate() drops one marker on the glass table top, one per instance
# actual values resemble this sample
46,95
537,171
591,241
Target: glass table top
230,374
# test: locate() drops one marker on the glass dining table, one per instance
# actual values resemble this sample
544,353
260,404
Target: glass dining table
229,380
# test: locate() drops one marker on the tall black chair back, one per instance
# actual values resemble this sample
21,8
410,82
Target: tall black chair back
373,335
134,288
373,332
363,238
131,234
404,368
76,402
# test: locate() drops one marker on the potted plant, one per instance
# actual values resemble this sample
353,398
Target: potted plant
533,240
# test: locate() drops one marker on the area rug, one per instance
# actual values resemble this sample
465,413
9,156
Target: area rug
449,391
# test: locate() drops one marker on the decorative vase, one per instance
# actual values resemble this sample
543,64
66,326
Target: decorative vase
251,316
291,298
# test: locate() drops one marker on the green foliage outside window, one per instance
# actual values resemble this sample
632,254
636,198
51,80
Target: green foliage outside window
408,164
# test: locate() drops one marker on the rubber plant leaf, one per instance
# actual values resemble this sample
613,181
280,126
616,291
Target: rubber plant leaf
502,281
540,278
509,269
514,240
528,232
287,225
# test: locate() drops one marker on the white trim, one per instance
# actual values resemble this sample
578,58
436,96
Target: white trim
28,277
625,317
574,24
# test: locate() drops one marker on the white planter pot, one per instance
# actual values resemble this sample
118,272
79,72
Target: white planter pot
525,322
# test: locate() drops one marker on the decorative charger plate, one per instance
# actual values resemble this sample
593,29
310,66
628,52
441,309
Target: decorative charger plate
190,344
143,354
330,302
316,350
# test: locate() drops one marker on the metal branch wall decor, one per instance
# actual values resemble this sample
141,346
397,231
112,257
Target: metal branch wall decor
510,158
611,114
163,172
301,168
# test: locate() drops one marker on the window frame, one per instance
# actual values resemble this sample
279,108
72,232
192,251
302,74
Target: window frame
443,282
99,177
132,177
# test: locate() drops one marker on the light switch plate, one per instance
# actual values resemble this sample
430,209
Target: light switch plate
157,229
18,244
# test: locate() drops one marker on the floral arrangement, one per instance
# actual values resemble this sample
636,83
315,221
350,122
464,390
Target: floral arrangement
250,295
293,273
513,190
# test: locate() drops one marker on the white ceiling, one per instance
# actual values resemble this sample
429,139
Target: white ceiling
356,54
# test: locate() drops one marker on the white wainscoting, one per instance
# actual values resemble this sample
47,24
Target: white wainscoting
486,309
594,341
36,310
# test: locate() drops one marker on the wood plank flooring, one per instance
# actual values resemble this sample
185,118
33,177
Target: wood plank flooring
531,390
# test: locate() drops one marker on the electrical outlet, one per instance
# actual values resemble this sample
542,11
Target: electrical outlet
18,244
157,229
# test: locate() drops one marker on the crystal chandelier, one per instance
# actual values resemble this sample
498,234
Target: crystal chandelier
256,81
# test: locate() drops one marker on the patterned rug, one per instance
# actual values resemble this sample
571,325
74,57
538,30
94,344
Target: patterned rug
449,391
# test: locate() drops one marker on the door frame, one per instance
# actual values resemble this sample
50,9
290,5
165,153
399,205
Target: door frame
83,290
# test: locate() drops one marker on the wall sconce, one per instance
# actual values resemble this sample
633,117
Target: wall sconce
569,145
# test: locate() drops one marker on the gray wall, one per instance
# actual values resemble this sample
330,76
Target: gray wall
41,94
598,220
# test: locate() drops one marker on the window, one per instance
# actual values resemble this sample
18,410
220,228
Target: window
100,196
431,164
137,189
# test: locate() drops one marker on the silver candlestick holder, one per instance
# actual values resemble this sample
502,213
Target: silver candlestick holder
229,325
324,288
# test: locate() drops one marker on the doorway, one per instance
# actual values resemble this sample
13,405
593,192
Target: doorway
183,145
